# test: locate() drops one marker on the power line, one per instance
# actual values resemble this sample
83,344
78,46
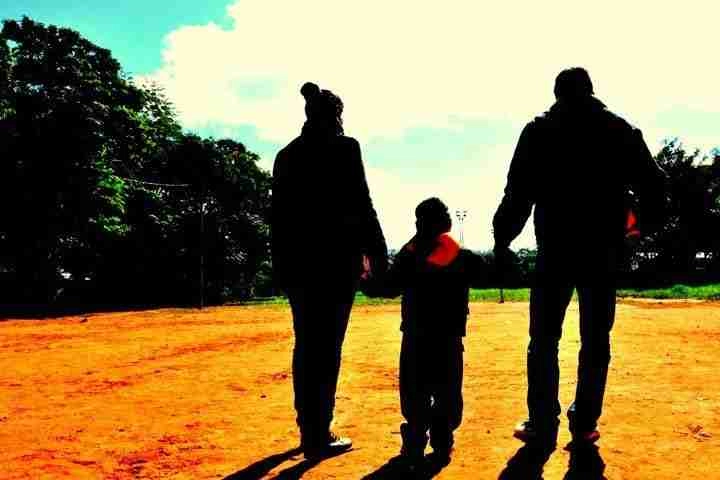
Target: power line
155,184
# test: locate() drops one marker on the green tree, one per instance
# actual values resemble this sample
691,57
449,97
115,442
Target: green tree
208,213
65,107
98,182
693,215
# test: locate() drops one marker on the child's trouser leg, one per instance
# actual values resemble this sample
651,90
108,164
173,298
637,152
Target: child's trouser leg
414,396
447,375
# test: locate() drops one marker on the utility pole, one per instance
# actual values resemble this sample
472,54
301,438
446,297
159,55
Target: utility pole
202,252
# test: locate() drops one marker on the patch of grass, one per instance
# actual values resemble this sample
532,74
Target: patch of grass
476,295
677,292
264,301
493,295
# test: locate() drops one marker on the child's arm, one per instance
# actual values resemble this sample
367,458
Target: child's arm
479,271
395,280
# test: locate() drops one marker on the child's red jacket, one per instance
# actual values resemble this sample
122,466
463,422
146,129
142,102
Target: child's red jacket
435,283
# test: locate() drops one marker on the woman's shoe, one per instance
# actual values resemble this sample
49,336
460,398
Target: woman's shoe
333,445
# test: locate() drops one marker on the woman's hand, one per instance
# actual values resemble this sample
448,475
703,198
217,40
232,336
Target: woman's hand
367,269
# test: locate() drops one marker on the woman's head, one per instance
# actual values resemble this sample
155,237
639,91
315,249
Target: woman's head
323,109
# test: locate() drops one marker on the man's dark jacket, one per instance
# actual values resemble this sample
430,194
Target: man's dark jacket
577,165
322,218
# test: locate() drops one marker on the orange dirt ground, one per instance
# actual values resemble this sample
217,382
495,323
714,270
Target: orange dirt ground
183,394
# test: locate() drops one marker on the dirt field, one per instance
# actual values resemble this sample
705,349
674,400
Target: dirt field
184,394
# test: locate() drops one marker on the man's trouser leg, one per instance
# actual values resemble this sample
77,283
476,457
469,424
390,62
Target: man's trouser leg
548,302
415,400
447,408
597,315
320,319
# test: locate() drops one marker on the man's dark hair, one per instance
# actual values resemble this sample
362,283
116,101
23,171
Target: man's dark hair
432,217
573,83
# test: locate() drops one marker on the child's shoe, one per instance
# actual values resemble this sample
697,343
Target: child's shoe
529,432
440,457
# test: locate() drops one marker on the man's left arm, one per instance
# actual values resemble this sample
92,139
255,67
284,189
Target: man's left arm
648,182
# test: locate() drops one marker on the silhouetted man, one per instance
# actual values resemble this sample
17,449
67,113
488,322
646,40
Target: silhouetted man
323,222
576,164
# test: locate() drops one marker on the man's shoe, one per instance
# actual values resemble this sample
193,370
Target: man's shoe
332,446
528,432
582,433
587,437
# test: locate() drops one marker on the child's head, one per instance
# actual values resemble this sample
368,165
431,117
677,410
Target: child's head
432,218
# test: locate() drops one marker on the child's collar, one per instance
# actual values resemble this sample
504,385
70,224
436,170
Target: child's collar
444,253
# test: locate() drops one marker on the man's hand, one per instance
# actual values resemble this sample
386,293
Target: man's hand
505,262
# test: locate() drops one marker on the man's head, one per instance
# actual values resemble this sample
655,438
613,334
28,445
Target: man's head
573,84
432,218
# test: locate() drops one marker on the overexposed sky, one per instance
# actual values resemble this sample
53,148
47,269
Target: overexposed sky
437,92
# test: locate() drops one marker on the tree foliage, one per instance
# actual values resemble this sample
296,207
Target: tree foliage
686,248
81,149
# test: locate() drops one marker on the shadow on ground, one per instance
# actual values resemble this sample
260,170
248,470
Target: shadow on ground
585,463
262,468
394,469
527,463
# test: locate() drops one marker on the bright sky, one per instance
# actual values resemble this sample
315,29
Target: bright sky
436,92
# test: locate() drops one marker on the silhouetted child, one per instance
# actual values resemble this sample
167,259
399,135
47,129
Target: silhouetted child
433,274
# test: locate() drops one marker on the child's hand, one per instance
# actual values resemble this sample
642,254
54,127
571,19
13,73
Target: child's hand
371,287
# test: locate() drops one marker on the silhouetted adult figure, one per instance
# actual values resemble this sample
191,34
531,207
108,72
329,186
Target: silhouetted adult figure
323,222
576,164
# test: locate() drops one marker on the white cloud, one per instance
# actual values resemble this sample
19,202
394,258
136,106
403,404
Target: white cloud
396,196
408,62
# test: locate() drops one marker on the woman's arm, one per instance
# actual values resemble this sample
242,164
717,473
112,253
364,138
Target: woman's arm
372,238
278,220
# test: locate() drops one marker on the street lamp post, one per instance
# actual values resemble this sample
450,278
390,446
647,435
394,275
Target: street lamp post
461,215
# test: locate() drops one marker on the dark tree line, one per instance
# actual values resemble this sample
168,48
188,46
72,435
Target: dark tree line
687,248
103,198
